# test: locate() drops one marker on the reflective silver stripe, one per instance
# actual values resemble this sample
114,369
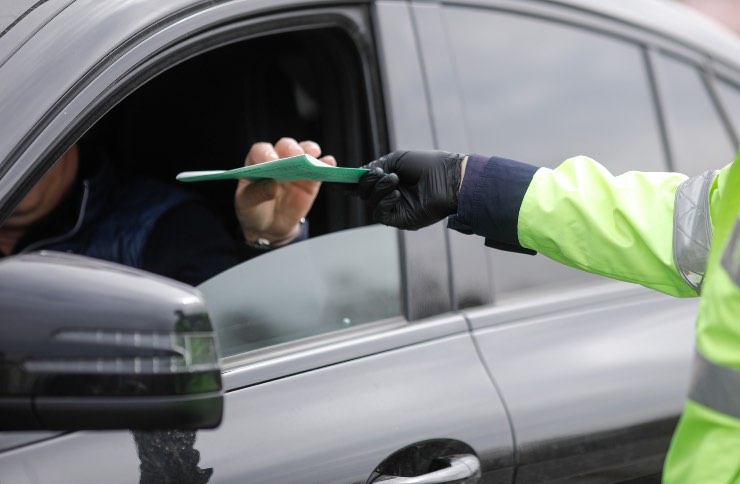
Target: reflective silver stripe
731,257
692,228
715,386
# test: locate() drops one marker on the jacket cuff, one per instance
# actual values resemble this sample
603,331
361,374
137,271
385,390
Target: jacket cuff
490,199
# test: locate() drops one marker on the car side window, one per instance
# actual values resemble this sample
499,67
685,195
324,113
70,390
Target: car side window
698,137
541,92
730,95
323,284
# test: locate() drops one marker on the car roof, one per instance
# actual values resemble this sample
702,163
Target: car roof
12,11
667,18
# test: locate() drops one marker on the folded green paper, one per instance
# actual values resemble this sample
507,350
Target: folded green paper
301,167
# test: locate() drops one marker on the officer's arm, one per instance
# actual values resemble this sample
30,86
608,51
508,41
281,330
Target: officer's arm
634,227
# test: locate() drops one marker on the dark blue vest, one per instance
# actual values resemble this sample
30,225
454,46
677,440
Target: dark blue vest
115,220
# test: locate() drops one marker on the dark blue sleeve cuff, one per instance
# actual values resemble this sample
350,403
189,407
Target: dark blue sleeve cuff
490,198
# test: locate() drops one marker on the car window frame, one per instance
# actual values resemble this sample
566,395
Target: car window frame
102,77
700,65
733,121
719,71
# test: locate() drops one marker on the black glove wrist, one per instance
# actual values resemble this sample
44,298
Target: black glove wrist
453,168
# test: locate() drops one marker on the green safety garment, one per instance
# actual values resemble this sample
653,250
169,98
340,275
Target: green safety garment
675,234
706,445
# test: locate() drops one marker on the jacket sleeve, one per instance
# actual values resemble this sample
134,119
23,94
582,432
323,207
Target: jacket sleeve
581,215
621,227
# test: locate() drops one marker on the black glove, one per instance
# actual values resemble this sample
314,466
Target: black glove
412,189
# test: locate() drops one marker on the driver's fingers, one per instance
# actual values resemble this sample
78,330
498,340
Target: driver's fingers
329,160
260,153
311,148
287,147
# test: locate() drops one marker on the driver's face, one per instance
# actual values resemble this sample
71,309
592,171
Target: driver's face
48,192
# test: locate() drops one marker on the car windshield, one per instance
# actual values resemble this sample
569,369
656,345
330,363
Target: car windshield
322,284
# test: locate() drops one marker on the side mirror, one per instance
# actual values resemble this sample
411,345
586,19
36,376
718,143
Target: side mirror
88,344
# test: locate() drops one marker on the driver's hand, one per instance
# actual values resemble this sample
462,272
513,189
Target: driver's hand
270,210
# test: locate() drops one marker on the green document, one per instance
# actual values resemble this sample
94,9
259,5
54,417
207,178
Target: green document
302,167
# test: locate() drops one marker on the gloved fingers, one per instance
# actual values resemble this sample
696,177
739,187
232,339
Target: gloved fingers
381,162
387,208
384,186
367,182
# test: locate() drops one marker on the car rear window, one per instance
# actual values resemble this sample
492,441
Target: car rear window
583,94
699,139
542,91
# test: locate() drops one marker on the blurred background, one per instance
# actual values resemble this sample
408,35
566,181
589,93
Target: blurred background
726,12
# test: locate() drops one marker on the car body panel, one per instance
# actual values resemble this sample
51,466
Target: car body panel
628,363
20,20
336,423
255,367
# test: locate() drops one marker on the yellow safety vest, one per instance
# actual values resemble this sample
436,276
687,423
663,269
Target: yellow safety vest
671,233
706,444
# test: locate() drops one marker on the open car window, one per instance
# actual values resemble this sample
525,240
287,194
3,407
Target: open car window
323,284
205,112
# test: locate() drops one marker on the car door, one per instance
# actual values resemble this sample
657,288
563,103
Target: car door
592,371
343,361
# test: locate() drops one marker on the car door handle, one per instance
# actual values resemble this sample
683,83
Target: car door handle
461,469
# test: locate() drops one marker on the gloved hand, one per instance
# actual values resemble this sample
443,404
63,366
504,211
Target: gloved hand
412,189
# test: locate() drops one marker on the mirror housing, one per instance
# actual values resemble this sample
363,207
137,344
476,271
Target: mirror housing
89,344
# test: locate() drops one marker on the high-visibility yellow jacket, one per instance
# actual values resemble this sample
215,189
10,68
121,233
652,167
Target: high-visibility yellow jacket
656,230
675,234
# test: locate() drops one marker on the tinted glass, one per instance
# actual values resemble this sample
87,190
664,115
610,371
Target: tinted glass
699,139
323,284
730,95
541,92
